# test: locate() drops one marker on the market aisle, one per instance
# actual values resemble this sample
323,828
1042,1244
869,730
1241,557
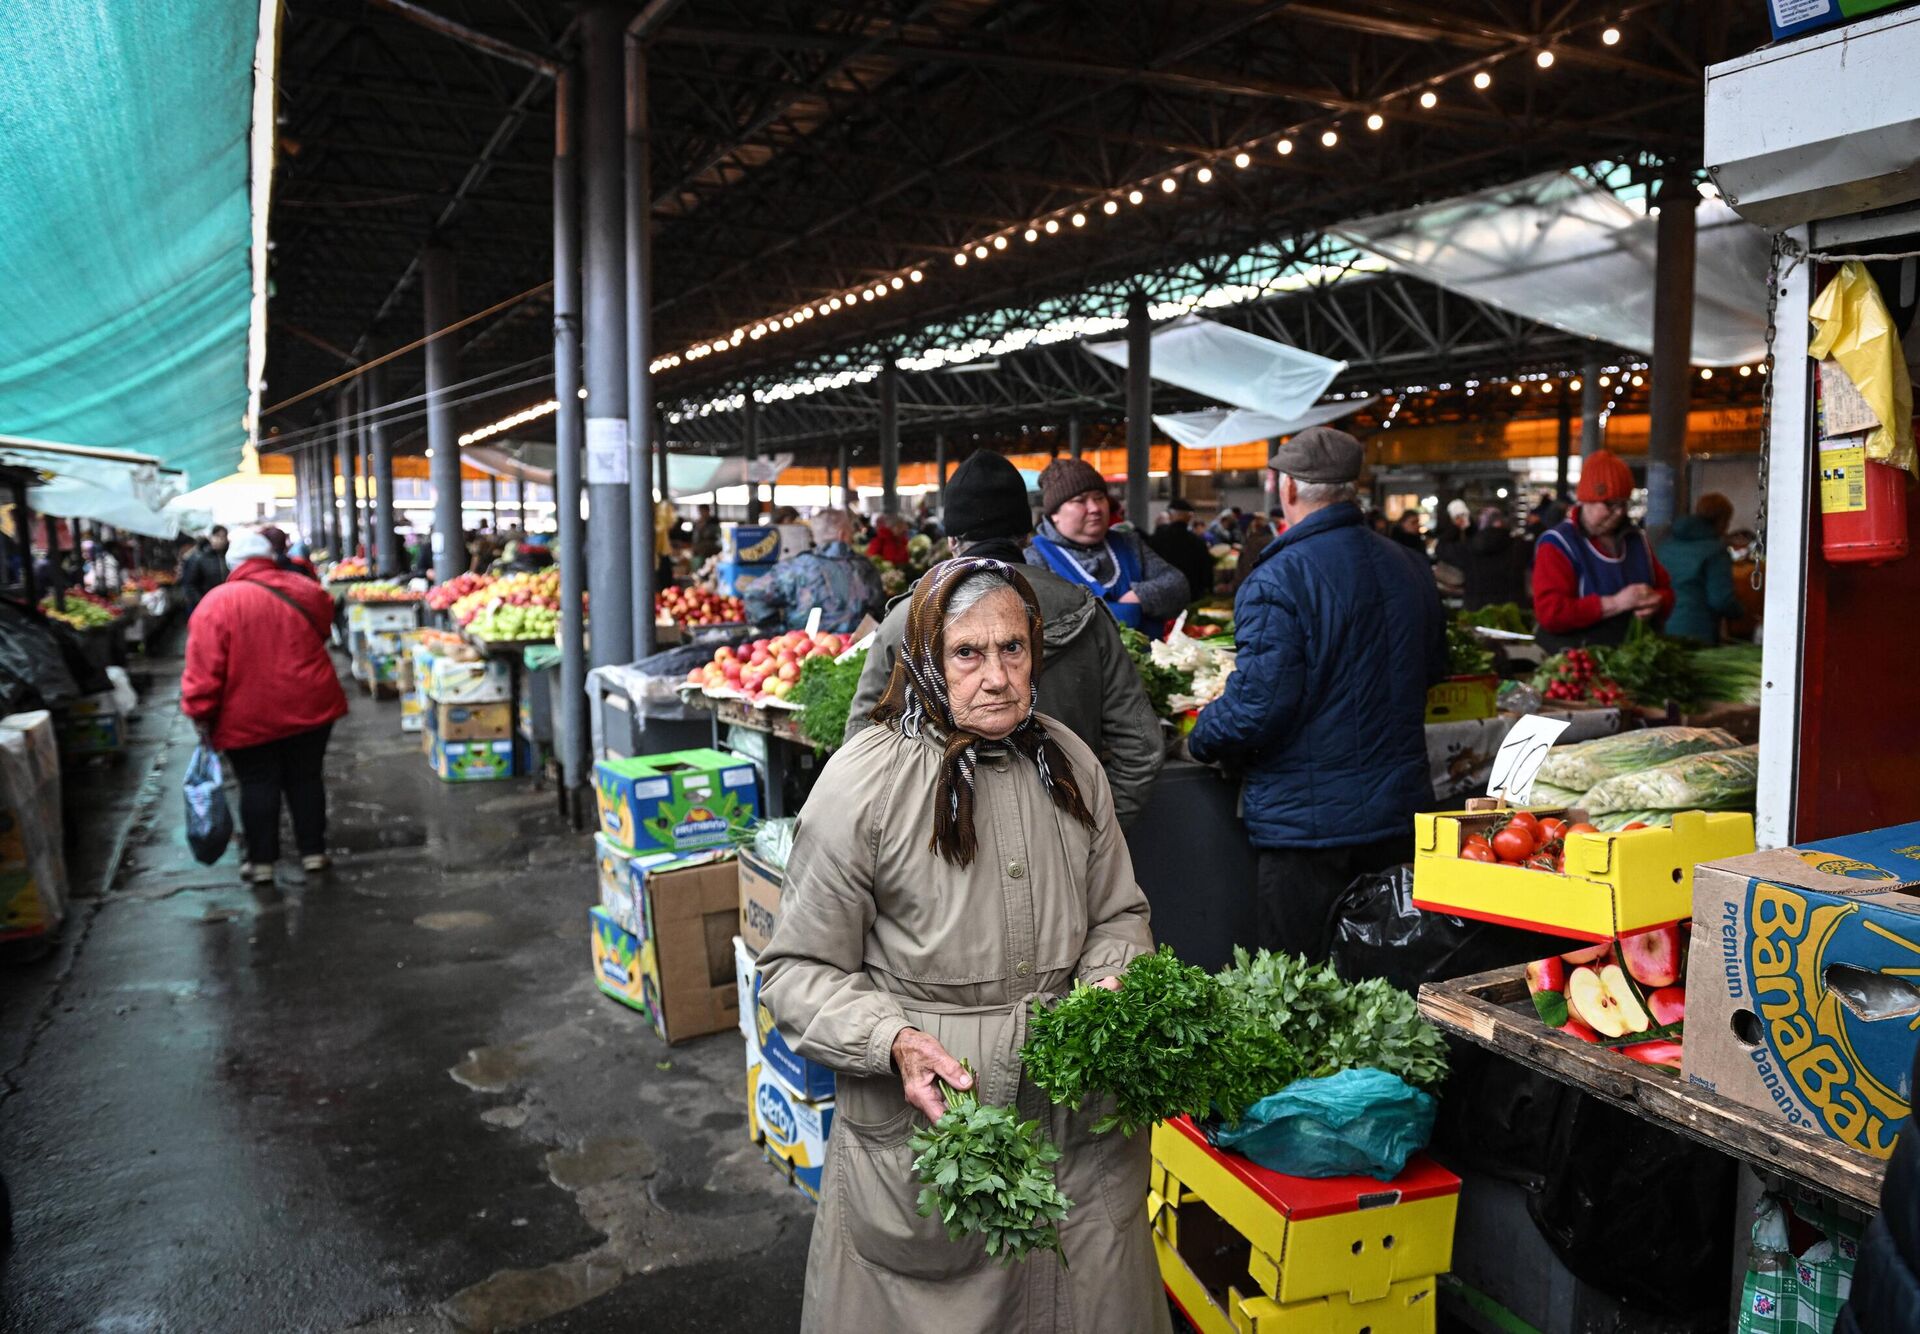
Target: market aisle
387,1101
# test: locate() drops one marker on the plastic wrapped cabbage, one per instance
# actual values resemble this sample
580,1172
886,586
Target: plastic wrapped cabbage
1578,767
1717,780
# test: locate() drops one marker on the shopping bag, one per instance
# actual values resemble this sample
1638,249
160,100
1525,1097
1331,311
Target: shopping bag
1786,1293
209,821
1358,1122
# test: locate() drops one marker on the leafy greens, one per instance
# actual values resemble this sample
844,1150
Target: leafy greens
982,1169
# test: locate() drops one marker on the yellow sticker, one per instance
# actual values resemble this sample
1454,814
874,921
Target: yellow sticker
1843,479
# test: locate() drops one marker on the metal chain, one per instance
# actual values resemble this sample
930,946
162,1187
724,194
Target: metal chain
1782,245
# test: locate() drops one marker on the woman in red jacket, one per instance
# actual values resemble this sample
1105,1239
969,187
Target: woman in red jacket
261,686
1594,572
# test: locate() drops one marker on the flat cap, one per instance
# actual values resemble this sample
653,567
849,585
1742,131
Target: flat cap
1319,454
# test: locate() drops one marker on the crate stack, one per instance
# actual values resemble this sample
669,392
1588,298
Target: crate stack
377,638
790,1103
465,716
1243,1249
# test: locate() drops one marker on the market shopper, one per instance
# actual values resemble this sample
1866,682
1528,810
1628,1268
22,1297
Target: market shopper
955,864
260,685
1496,563
1340,633
1090,686
832,576
889,541
706,535
1184,549
1697,560
1594,572
1076,542
205,569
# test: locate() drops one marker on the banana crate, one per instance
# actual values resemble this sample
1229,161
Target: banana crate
1611,885
1247,1250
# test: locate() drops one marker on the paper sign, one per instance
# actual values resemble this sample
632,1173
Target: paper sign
1521,755
607,451
1843,476
813,621
1843,409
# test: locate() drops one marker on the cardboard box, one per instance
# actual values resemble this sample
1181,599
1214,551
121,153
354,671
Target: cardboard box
791,1131
759,900
618,967
468,681
469,761
1629,994
677,801
1800,991
90,734
753,544
412,712
469,722
387,616
686,909
1793,18
1613,884
734,578
807,1079
1463,699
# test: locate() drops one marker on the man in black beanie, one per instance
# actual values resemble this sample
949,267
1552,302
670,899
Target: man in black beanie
1087,681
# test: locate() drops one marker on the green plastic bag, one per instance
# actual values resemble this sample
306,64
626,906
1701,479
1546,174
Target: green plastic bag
1786,1293
1358,1122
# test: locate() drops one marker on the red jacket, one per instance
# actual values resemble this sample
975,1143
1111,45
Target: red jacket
257,669
889,546
1557,603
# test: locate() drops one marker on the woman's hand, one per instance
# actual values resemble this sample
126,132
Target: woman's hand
1110,983
922,1063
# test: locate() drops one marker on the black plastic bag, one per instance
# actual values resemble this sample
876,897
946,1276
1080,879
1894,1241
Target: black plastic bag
1377,932
209,819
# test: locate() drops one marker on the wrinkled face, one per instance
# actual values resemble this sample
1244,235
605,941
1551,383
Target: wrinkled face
1085,517
988,663
1601,517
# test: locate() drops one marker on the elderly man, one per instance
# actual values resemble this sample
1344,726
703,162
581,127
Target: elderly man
955,865
1340,633
1090,683
843,584
1075,542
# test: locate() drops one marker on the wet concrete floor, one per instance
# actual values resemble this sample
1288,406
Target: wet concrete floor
387,1099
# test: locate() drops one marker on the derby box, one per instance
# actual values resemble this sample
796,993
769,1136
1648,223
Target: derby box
792,1131
677,801
808,1079
1800,992
759,900
470,722
469,761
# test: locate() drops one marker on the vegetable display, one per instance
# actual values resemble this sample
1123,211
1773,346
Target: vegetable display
983,1169
1718,780
825,693
1728,674
1650,667
1162,683
1575,768
382,591
1576,676
1499,616
1335,1025
84,610
445,595
348,567
1466,656
698,606
766,668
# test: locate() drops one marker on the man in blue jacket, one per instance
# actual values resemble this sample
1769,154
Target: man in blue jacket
1340,633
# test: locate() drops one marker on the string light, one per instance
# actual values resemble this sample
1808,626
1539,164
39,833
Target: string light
1242,160
1110,208
1544,60
961,259
1168,185
1605,380
1573,384
999,243
1375,122
520,418
1030,235
1135,197
1746,370
1284,147
1610,37
1518,390
1078,220
1052,226
1639,380
979,252
1429,100
1706,372
1329,138
1204,175
915,276
1483,81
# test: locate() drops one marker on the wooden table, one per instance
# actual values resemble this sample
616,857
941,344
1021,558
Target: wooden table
1493,1010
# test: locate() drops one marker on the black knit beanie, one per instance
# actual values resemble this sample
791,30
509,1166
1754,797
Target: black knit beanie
986,497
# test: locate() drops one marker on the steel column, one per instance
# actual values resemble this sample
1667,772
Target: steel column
639,348
1075,436
570,734
940,471
1591,401
385,544
443,442
363,452
1671,363
603,236
847,500
750,450
1139,410
1563,440
493,503
341,493
890,437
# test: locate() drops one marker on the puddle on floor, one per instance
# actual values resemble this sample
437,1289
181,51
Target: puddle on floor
460,919
599,1160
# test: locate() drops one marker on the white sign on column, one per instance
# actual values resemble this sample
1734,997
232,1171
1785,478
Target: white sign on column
607,451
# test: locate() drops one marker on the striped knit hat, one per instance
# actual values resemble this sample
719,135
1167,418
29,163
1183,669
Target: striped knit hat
917,698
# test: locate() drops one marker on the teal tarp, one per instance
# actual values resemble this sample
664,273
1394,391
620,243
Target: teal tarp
125,225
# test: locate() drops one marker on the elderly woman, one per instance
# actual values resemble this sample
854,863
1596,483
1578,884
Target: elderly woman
956,864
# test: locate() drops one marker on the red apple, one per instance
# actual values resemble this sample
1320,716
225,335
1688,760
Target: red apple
1574,1028
1669,1005
1653,956
1546,975
1655,1053
1589,954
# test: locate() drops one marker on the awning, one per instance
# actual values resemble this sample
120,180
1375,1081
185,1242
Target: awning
1217,428
687,474
1565,251
133,192
126,490
1232,366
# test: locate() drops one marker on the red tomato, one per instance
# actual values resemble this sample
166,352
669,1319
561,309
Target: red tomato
1637,824
1513,844
1582,828
1528,821
1476,841
1478,852
1551,828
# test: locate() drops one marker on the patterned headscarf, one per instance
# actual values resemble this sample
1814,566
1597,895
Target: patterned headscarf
917,697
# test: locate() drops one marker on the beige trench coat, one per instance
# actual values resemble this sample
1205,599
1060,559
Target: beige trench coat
877,933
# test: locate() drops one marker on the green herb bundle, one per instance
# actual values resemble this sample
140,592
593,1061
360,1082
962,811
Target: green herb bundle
1649,667
1499,616
1466,655
1335,1025
1730,673
1160,682
982,1169
825,694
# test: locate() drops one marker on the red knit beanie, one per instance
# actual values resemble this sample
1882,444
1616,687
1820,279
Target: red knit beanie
1604,477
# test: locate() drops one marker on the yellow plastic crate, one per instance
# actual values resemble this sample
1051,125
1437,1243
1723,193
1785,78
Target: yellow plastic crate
1408,1308
1354,1238
1613,884
1460,699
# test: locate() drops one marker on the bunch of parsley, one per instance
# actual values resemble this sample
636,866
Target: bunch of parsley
1335,1025
982,1169
825,694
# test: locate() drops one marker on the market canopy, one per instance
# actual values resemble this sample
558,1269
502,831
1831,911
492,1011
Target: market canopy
1217,428
126,490
1566,251
1233,366
132,203
687,474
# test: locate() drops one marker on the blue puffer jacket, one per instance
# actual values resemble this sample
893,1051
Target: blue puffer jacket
1340,633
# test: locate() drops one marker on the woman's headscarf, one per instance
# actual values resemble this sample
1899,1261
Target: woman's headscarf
916,696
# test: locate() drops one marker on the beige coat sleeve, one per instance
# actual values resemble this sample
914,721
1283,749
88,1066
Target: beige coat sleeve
812,973
1117,930
877,670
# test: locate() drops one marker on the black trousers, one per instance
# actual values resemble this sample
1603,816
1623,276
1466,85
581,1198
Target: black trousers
296,767
1297,888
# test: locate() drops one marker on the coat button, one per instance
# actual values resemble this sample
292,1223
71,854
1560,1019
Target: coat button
1022,968
1016,869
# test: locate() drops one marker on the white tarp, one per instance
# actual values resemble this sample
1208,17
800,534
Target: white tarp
1232,366
71,498
687,474
1566,252
1217,428
127,490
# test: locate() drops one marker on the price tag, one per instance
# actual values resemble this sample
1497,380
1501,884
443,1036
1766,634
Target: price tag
607,451
813,621
1521,755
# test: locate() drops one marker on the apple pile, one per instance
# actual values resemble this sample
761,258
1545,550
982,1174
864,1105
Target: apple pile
1576,678
539,589
349,567
1629,993
766,668
445,595
382,590
698,606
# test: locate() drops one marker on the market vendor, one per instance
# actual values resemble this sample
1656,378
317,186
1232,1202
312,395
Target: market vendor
832,576
1090,684
955,864
1075,541
1339,633
1594,572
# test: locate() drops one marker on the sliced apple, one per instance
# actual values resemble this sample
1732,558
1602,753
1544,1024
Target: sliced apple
1669,1005
1653,956
1593,1005
1632,1013
1590,954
